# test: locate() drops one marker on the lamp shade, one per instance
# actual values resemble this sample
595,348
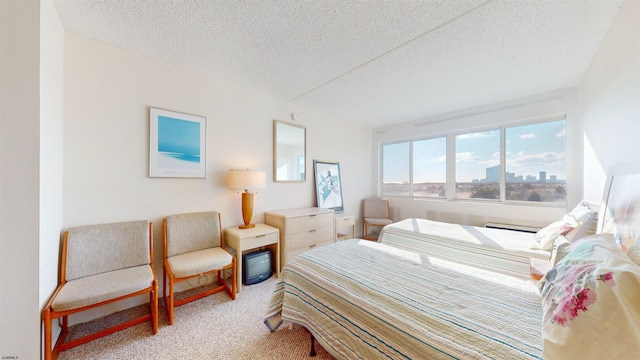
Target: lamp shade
246,179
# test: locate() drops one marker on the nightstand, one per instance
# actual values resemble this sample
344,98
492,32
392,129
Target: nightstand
342,222
241,240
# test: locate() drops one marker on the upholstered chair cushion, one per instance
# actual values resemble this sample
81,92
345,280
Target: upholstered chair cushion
199,262
96,249
192,232
102,287
378,221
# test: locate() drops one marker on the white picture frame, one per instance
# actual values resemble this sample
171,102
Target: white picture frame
177,144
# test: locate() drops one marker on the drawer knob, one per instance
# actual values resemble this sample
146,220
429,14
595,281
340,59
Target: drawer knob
263,235
313,230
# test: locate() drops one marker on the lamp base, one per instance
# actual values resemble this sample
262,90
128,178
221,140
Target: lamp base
247,210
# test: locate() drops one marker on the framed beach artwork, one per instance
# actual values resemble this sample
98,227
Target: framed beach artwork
177,146
328,185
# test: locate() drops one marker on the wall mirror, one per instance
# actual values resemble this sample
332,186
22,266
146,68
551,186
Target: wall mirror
289,152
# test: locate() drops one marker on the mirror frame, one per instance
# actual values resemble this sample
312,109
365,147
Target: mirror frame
277,123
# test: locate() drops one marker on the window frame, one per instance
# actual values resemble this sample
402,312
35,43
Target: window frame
450,144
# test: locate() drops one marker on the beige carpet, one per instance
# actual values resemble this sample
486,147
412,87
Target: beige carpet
214,327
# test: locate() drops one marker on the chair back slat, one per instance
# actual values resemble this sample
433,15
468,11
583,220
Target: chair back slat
95,249
192,232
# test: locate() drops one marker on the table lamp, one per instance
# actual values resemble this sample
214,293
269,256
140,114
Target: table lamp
246,180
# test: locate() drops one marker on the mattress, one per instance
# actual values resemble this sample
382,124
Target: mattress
506,251
367,300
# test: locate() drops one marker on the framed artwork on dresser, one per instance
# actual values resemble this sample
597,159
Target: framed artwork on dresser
328,185
177,144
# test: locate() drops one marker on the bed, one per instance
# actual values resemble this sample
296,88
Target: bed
362,299
369,300
506,251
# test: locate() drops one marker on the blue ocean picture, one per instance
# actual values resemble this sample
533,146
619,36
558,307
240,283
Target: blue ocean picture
178,143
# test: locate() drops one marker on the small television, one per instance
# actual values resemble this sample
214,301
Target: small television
256,267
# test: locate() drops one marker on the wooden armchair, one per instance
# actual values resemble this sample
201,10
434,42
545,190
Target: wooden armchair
192,248
102,264
375,213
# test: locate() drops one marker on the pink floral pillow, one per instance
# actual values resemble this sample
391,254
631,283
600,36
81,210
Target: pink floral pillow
591,302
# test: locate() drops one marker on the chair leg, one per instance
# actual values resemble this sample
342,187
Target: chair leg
234,283
170,310
229,288
168,302
47,334
154,307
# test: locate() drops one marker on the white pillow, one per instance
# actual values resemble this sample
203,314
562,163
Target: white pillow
574,225
560,249
543,239
585,218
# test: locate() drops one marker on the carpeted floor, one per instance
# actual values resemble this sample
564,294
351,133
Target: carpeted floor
214,327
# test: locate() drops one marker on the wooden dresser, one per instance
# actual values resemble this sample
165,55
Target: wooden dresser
301,229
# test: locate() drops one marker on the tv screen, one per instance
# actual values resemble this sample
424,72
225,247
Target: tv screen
256,267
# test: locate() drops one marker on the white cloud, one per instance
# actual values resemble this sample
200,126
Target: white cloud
465,157
527,136
541,159
477,135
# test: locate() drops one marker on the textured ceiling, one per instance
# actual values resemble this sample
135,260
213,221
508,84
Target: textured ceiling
372,62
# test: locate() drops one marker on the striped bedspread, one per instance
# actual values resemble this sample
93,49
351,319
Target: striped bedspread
366,300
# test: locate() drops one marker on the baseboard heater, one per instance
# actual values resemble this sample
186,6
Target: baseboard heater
523,228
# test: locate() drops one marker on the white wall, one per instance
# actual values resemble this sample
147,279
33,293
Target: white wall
31,176
563,101
107,95
610,101
51,151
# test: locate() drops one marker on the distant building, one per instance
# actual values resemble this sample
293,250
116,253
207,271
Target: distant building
493,174
553,178
543,176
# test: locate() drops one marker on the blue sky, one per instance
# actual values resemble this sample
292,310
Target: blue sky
538,147
529,150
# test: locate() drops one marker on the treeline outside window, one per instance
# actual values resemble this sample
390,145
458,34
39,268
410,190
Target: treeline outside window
513,163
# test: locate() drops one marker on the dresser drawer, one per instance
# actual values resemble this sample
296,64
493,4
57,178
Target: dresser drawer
309,222
306,239
291,254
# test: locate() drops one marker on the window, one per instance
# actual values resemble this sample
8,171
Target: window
478,165
395,173
430,167
509,163
535,162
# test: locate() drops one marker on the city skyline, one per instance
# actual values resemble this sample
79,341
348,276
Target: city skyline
493,175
